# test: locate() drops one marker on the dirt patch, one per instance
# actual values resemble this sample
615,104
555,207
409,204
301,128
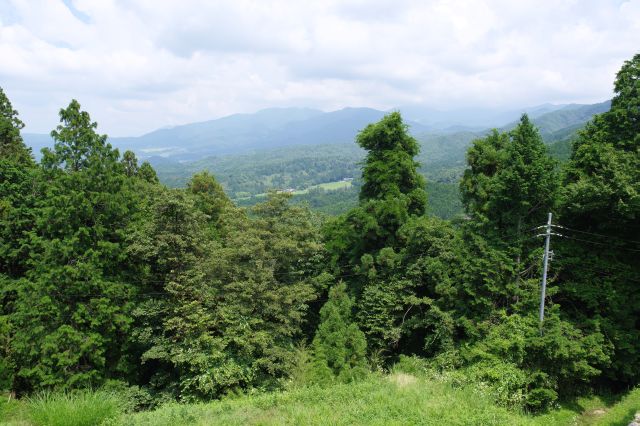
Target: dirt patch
402,380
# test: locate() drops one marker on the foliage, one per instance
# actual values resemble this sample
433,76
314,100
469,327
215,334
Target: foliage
560,359
11,145
601,205
108,278
339,347
511,182
227,311
75,298
392,191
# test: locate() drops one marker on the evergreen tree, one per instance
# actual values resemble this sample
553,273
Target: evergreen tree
11,145
511,181
130,163
510,185
147,173
210,197
339,347
601,205
18,186
74,303
392,191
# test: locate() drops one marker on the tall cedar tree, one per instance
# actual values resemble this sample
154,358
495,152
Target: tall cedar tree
18,177
601,204
392,191
74,303
510,185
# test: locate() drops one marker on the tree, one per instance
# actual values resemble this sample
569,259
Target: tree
339,347
210,197
18,186
147,173
601,206
391,193
11,145
511,181
75,298
228,310
509,186
130,163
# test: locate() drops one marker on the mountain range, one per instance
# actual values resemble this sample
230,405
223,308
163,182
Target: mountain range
281,127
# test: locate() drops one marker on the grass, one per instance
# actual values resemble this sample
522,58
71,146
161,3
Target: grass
329,186
397,399
82,408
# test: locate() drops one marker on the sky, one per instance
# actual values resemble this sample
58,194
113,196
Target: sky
138,65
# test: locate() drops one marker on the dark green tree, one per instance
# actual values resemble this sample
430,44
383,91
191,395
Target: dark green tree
18,189
11,145
339,347
392,191
147,173
210,197
75,300
601,205
511,182
130,163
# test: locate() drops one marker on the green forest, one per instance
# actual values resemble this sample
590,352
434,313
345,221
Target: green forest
121,296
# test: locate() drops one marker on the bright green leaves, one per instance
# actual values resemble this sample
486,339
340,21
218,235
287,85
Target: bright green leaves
225,313
77,145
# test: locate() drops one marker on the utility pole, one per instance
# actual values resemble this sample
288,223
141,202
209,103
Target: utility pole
543,289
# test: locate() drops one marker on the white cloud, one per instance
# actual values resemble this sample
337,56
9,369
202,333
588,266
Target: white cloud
138,65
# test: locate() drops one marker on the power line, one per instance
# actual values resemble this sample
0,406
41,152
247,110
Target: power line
597,243
596,234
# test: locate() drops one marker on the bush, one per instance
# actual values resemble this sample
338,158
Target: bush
74,408
411,365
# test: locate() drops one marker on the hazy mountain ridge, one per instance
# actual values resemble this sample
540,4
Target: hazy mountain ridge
281,127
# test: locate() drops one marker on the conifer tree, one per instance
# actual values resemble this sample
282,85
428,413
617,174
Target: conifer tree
18,183
392,192
511,183
339,347
76,297
601,204
11,145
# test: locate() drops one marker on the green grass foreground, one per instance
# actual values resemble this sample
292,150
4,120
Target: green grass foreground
398,399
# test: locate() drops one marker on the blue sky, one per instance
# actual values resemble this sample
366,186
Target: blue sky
137,65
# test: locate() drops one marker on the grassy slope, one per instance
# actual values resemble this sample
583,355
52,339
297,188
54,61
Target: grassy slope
399,399
376,401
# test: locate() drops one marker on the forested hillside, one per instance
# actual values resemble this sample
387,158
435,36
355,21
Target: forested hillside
115,282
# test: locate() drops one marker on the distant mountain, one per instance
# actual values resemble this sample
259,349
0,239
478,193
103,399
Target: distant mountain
470,119
572,116
283,127
238,133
